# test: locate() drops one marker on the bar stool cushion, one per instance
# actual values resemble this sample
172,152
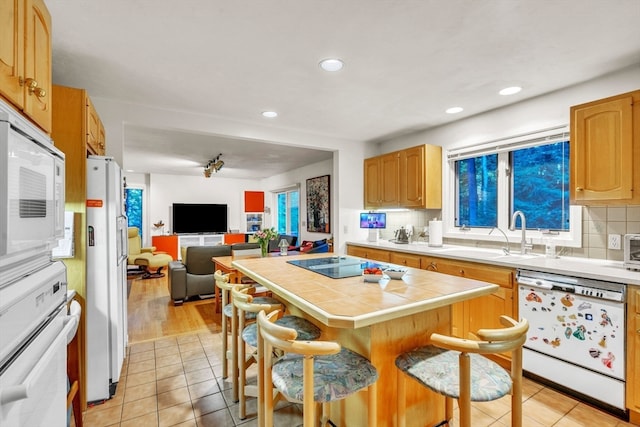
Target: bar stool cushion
307,331
336,376
438,369
227,310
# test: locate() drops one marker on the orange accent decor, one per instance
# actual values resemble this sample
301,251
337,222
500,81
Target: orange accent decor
254,201
94,203
167,244
234,238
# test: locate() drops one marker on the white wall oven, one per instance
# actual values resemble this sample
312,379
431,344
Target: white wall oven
32,193
35,328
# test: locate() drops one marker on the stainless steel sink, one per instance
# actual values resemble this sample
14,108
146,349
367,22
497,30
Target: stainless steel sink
515,257
481,254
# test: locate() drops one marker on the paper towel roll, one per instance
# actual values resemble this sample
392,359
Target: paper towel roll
435,233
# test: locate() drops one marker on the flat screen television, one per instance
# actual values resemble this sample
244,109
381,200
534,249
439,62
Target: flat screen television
373,220
199,218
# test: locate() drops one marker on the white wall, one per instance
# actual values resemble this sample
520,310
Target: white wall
527,116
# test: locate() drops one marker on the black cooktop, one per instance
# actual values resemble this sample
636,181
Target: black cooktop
336,267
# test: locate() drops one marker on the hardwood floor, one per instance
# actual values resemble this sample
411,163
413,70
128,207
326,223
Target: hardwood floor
152,314
172,376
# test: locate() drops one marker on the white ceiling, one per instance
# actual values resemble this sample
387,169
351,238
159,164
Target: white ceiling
406,62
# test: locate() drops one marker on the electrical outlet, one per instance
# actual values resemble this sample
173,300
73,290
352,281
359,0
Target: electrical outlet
614,241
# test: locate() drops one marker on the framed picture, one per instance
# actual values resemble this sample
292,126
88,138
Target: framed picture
318,208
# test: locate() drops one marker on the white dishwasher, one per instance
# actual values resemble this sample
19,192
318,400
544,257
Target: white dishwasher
576,338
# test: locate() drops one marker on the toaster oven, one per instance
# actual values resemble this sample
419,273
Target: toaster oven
632,251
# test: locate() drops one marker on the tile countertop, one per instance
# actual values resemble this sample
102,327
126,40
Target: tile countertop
590,268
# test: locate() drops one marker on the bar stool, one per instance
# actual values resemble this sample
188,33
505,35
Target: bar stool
247,308
453,367
222,282
312,371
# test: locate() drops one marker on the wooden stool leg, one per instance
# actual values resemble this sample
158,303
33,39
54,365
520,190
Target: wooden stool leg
324,414
464,402
516,391
309,406
401,400
225,350
242,366
234,353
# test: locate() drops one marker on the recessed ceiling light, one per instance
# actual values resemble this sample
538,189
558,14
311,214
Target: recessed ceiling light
510,90
331,64
270,114
454,110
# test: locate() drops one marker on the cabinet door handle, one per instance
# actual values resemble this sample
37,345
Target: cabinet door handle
579,188
432,266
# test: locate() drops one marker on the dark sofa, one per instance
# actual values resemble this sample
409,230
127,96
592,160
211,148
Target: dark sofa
194,274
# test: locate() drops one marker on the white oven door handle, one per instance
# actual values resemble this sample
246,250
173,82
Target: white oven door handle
23,391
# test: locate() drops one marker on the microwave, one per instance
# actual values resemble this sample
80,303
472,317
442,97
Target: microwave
32,185
632,251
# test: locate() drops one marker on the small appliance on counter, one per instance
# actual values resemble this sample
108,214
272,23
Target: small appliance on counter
401,236
632,251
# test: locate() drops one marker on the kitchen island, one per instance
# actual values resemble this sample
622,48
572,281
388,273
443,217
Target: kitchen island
376,319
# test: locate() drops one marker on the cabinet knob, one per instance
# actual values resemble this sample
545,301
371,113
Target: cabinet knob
31,84
462,272
432,266
578,188
38,91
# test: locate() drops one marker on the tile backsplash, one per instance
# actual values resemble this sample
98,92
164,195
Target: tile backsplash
597,224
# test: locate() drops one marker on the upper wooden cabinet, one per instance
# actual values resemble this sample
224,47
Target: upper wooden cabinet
95,131
381,185
75,119
605,151
25,58
421,177
410,178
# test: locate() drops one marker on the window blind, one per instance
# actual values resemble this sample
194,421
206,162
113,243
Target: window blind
543,137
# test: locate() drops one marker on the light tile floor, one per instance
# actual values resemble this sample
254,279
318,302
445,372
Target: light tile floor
178,381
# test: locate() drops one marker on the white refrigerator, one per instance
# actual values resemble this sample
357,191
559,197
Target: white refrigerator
106,294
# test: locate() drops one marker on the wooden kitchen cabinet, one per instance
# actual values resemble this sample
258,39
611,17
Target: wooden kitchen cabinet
381,185
75,117
368,253
410,178
633,354
408,260
95,131
482,312
421,177
605,151
25,59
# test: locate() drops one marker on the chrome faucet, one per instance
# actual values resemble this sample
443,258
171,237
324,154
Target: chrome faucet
506,249
525,247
